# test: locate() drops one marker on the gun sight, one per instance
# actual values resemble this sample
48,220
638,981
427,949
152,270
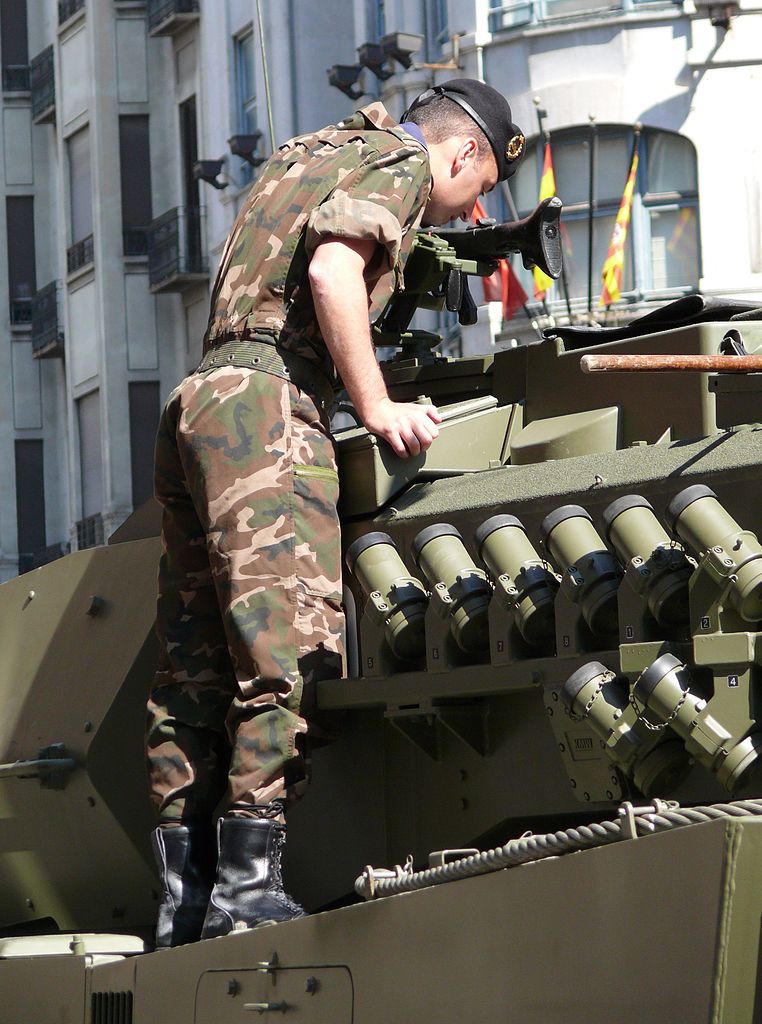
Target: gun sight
537,237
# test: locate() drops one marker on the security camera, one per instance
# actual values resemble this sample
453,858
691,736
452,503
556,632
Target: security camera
245,146
400,45
371,56
208,170
345,77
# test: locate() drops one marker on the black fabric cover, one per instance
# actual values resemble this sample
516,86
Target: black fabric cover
690,309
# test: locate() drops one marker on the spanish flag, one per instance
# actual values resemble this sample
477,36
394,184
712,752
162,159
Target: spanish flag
502,286
547,189
614,262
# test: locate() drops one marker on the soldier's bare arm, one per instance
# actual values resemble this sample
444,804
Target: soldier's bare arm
341,306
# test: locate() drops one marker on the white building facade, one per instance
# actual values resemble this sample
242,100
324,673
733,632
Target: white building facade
111,238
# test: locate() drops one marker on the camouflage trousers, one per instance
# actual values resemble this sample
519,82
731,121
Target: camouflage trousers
249,614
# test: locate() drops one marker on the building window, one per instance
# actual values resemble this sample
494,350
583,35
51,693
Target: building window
135,170
15,51
80,251
30,502
22,278
90,527
68,8
245,92
437,30
662,255
375,20
189,150
144,422
511,14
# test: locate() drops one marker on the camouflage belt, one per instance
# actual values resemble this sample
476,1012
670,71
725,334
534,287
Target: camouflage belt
263,355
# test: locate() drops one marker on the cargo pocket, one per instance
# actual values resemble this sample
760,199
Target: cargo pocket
317,551
317,540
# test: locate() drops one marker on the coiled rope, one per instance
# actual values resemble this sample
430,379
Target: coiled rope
632,822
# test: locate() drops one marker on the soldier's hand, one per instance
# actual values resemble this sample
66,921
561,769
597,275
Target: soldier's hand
408,427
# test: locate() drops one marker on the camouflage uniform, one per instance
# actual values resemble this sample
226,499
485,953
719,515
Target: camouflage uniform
249,612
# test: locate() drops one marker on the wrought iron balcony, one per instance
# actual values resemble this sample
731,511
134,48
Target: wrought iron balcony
90,532
176,258
21,306
47,329
15,78
166,17
68,8
79,254
42,82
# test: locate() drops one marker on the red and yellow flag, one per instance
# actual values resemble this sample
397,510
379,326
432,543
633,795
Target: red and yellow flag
502,286
547,189
613,265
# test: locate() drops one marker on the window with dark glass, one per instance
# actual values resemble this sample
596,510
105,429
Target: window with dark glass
662,255
30,502
14,44
375,19
437,32
68,8
22,278
135,171
144,422
189,149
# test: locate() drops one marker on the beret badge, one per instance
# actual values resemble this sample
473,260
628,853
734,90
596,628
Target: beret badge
515,147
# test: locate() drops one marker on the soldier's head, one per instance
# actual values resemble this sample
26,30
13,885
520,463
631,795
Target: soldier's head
473,143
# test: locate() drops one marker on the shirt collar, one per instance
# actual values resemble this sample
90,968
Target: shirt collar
412,129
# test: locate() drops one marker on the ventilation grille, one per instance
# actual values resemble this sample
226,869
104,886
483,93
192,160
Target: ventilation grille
111,1008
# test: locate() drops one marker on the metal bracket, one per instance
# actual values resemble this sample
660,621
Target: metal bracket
439,858
422,725
627,812
267,1007
271,967
52,767
419,725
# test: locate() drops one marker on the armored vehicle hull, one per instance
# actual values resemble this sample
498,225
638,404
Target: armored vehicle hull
553,627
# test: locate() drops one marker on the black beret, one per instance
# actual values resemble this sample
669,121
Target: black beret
490,111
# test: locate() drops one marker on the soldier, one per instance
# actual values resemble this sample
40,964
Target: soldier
249,613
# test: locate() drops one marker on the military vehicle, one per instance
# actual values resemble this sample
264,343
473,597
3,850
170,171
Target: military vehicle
545,781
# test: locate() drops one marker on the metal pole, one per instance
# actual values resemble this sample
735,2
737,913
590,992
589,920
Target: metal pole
267,77
591,210
671,363
545,136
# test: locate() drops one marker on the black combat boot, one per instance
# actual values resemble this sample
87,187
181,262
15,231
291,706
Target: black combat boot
186,858
249,886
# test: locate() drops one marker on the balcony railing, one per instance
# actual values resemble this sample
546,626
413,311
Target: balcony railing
90,532
15,78
47,329
42,82
165,17
135,241
176,258
68,8
79,254
21,310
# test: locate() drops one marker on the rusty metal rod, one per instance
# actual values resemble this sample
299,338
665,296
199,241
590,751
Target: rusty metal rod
668,363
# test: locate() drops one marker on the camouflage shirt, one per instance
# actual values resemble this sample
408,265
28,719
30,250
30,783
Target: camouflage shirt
364,178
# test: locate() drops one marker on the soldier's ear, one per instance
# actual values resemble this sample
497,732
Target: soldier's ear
468,150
